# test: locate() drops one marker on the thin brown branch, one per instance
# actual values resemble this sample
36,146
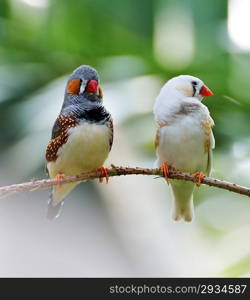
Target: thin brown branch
118,171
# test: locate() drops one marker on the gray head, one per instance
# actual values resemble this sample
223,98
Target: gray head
83,85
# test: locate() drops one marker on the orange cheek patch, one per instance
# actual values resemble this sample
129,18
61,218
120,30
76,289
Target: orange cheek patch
74,86
100,92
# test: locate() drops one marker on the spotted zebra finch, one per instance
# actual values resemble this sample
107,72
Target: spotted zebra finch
82,134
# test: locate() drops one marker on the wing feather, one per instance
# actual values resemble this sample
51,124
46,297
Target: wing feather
157,138
209,143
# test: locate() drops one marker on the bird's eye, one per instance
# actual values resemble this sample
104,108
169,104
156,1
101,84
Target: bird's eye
194,85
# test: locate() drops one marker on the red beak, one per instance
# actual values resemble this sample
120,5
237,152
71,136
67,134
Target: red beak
205,91
92,86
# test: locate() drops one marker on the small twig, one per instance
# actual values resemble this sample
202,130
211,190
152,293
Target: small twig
118,171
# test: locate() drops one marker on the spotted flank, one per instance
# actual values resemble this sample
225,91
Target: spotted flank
111,127
59,135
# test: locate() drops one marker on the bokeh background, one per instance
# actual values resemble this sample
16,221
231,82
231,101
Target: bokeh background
123,228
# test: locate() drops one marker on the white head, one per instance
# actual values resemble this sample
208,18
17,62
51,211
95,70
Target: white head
178,89
187,86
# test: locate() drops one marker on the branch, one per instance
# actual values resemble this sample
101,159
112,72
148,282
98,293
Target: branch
118,171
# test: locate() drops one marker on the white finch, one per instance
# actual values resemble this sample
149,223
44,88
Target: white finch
184,138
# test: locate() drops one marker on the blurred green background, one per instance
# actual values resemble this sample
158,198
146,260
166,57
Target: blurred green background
124,228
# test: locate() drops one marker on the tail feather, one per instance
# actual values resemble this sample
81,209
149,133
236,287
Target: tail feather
182,200
56,199
53,211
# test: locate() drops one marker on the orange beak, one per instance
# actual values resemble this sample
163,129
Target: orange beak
92,86
205,91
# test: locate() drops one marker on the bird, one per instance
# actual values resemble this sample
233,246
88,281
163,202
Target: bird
82,135
184,139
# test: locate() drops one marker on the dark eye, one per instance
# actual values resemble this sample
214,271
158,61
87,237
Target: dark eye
194,83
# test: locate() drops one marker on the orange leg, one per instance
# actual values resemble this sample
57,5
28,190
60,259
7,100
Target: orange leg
59,177
165,171
104,171
199,176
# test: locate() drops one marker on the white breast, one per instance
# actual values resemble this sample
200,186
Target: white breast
182,145
85,150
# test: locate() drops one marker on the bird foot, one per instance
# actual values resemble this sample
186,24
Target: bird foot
59,177
199,176
104,172
165,171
